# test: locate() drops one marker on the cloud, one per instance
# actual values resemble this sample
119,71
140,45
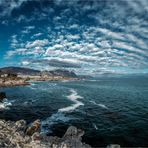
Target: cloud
37,43
8,6
60,63
28,29
37,35
82,33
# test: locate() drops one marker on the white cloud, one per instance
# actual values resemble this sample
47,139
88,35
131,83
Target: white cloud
25,63
35,43
72,37
37,34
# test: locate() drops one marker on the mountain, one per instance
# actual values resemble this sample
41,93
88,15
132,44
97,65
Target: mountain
28,71
19,70
61,72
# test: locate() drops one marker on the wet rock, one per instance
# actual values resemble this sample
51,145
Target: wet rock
35,127
2,96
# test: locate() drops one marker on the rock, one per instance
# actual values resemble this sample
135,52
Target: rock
20,125
13,134
113,146
71,139
36,136
73,133
35,127
2,96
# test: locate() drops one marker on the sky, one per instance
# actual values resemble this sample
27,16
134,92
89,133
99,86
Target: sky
85,36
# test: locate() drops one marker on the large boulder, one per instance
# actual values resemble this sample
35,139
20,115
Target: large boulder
71,139
73,133
2,96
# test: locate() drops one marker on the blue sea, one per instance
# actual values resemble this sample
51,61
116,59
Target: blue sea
108,109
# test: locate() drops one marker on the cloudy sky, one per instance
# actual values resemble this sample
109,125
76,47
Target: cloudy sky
86,36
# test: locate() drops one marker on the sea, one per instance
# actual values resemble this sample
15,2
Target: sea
110,109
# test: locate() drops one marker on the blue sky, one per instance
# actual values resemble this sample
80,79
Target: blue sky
86,36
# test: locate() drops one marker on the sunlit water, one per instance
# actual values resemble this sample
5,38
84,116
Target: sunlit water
110,110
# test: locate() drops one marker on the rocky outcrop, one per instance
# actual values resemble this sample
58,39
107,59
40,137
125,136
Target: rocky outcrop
2,96
19,135
12,82
71,139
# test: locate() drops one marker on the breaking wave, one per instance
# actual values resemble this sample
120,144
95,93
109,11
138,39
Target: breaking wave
5,104
73,97
100,105
60,115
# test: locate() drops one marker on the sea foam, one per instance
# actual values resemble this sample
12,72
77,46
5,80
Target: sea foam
60,115
5,104
100,105
76,103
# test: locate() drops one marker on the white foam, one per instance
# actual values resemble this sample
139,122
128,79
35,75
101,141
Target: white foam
100,105
60,116
73,97
95,126
5,104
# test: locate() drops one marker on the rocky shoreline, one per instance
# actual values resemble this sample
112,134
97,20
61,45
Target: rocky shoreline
20,135
10,83
26,81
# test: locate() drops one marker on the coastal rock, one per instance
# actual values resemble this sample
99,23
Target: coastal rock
13,135
35,127
73,133
20,125
71,139
2,96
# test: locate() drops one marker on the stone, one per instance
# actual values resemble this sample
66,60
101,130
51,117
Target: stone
2,96
73,132
35,127
13,134
20,125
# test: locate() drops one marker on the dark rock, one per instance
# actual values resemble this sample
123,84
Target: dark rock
2,96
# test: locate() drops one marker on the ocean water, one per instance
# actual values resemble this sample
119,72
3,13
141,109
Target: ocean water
109,109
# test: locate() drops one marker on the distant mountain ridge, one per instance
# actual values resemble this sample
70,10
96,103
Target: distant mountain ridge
29,71
19,70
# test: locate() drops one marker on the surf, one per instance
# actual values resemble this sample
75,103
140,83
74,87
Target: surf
76,103
60,116
5,104
100,105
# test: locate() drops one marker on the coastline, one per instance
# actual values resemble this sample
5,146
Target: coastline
26,81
